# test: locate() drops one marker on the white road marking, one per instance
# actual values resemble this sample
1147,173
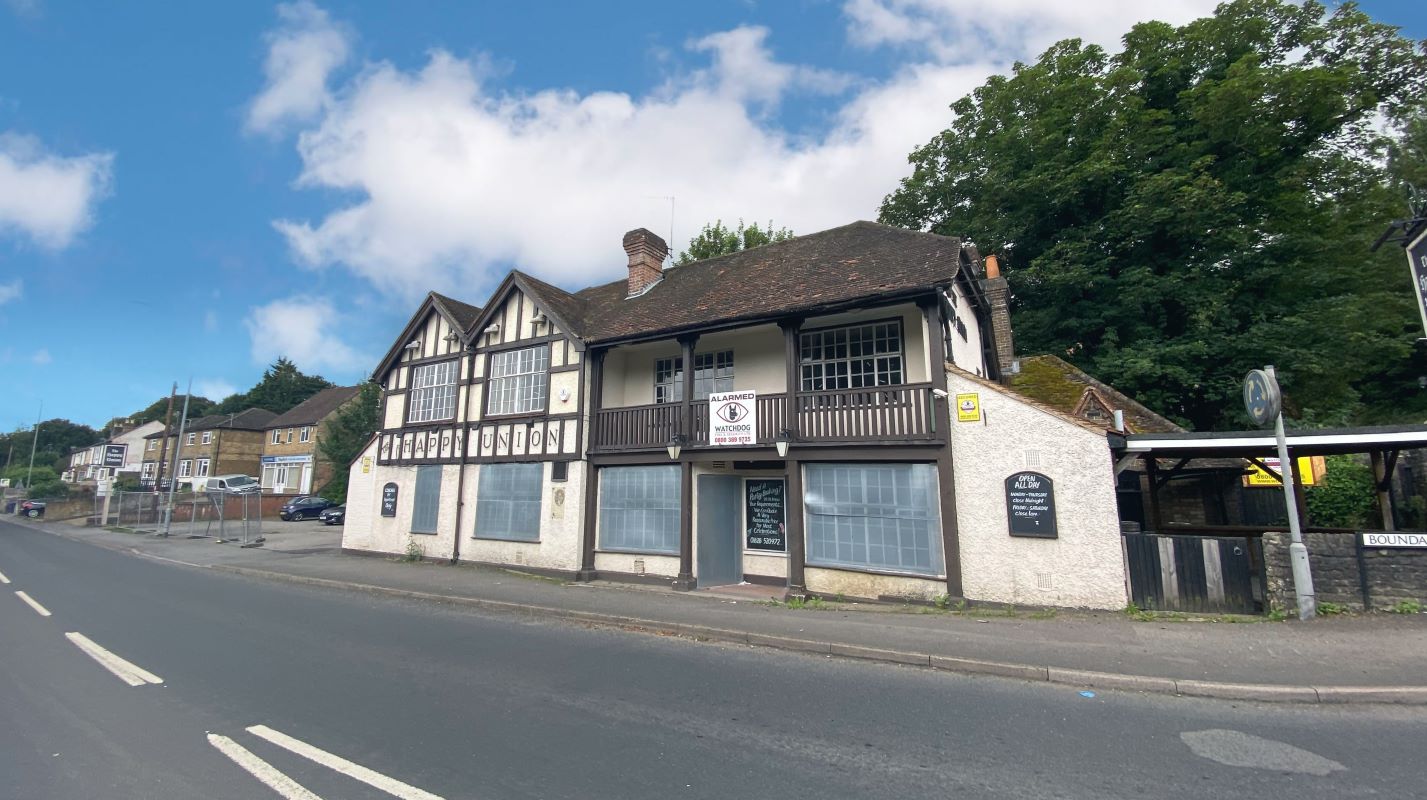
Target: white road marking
372,778
125,671
3,579
260,769
39,609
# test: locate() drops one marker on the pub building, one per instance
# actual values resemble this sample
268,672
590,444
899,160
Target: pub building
821,415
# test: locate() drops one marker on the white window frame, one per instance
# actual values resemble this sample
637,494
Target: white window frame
203,465
185,468
852,356
519,381
207,437
153,444
192,438
713,372
304,435
434,387
277,436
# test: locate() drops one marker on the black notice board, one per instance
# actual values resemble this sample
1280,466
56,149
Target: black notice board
1030,505
389,500
767,505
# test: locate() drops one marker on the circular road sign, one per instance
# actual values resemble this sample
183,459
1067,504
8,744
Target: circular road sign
1261,398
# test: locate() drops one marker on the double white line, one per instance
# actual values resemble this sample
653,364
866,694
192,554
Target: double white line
287,787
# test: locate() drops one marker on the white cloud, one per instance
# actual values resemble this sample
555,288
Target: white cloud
301,329
41,357
303,51
455,181
46,197
11,291
210,321
958,31
213,388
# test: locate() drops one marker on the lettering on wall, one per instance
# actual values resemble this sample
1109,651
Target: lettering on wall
1030,505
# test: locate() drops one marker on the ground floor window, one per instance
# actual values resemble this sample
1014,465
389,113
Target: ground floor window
874,516
508,502
203,467
185,468
427,503
639,509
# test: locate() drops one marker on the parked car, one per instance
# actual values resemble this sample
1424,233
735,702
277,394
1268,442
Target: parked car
305,507
233,484
31,508
336,515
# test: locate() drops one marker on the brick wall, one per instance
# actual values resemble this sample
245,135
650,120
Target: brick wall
998,292
1393,574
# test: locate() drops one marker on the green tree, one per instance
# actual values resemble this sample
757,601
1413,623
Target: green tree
1200,204
58,437
349,430
1346,498
718,240
154,412
281,388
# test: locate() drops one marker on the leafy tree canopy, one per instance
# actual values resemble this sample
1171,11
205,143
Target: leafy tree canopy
718,240
347,432
1200,204
281,388
197,407
57,438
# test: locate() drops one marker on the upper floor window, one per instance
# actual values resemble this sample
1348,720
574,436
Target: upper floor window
518,380
713,372
207,437
153,444
277,436
192,438
853,357
304,435
433,392
289,435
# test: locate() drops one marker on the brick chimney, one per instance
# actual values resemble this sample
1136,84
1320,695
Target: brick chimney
646,259
998,292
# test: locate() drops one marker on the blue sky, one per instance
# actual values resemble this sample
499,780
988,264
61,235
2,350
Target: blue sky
193,189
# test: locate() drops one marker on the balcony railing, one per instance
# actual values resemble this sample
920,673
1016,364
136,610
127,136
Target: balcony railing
882,414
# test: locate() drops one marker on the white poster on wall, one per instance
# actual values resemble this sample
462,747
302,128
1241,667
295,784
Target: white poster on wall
733,418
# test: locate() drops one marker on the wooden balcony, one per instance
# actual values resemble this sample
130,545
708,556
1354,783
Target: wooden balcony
892,414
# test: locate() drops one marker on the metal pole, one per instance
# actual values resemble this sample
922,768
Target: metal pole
163,446
1297,552
177,448
34,440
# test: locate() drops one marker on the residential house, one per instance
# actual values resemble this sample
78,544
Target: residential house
218,444
122,453
292,463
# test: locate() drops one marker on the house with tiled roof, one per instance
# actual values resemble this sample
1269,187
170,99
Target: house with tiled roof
217,444
782,416
292,460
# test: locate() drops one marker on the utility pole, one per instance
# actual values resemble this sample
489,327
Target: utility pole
34,440
163,446
177,446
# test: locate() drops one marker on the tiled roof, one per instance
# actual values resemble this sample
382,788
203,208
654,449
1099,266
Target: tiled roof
316,408
464,314
860,261
252,419
1061,385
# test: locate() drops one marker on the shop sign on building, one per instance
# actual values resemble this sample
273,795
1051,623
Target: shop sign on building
1030,505
733,418
389,500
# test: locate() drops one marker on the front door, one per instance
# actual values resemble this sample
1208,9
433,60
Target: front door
720,558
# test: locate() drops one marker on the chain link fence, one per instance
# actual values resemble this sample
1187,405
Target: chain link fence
225,517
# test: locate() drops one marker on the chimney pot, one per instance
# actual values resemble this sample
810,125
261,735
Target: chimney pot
646,253
993,266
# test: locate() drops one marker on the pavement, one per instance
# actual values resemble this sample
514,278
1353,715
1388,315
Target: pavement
1343,659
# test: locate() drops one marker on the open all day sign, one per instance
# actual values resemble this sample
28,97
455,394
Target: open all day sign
733,418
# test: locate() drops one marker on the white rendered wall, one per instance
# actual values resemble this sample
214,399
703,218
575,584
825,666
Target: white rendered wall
1083,567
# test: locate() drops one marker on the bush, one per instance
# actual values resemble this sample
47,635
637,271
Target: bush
49,490
1346,498
19,472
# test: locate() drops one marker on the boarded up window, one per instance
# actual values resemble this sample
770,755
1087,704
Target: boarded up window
426,505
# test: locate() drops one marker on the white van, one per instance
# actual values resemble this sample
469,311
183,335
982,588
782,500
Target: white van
233,484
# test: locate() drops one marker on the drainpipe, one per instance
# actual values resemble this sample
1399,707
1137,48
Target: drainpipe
461,475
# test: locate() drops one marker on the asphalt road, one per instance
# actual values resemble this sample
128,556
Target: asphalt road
335,691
